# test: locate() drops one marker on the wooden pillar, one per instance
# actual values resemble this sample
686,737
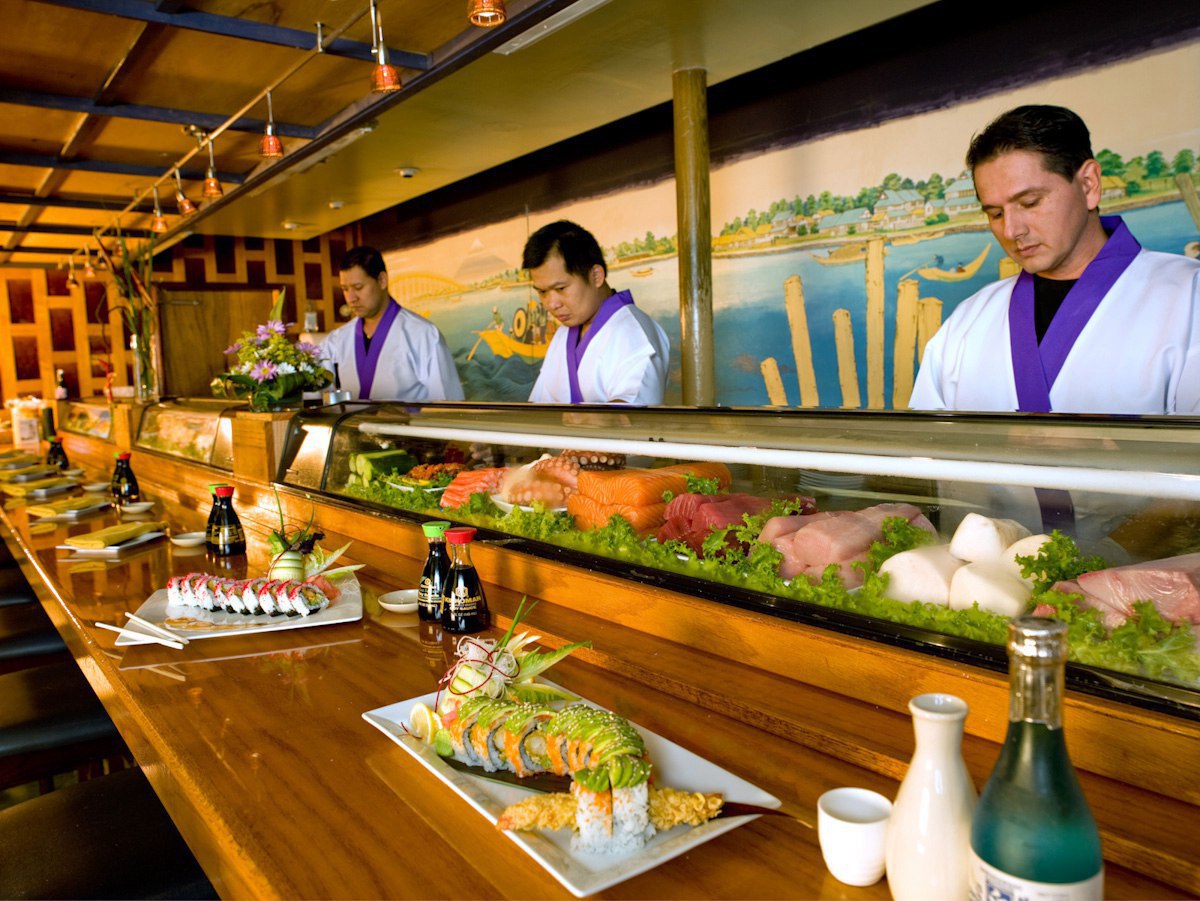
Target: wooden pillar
693,212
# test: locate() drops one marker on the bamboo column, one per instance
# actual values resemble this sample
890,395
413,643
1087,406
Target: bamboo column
774,382
843,335
874,277
693,212
806,376
904,348
929,320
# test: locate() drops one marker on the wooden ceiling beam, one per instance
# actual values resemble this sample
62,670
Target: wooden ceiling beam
40,161
172,15
102,204
84,230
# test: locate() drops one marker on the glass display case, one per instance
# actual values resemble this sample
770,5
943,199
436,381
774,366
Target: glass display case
927,531
88,419
197,429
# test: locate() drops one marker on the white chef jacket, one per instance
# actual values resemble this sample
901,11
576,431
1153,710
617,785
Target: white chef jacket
1139,353
625,361
414,363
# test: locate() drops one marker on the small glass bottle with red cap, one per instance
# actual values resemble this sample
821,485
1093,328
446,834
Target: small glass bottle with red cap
226,537
464,608
124,485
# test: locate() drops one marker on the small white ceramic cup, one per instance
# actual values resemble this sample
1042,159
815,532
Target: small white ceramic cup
852,828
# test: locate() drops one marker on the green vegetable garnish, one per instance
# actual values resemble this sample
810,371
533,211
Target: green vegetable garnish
1058,560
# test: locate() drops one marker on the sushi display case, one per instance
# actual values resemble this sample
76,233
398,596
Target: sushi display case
197,429
94,420
920,530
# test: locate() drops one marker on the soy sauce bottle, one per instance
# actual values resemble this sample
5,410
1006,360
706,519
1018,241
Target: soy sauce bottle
433,576
464,608
124,485
212,515
56,456
227,537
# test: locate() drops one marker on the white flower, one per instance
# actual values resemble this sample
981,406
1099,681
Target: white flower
285,369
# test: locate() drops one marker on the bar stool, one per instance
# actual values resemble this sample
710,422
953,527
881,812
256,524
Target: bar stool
27,637
14,587
51,722
104,838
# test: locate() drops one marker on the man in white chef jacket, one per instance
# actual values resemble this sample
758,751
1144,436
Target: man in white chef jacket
606,349
387,352
1093,323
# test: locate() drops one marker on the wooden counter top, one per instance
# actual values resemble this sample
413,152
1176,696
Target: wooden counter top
258,749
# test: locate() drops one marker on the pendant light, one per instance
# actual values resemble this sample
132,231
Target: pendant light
385,79
89,271
185,206
270,147
159,223
212,184
72,282
486,13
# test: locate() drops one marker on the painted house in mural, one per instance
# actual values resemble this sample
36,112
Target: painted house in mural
960,197
852,222
1112,187
899,209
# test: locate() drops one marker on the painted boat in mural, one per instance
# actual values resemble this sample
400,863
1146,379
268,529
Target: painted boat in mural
904,240
847,253
642,273
505,345
959,273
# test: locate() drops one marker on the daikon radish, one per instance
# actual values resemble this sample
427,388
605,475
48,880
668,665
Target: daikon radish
1026,547
982,538
991,584
922,574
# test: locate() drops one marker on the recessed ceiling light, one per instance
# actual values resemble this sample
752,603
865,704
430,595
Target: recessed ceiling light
290,225
336,204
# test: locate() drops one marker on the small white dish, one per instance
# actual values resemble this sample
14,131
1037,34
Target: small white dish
96,486
137,507
73,473
402,601
188,539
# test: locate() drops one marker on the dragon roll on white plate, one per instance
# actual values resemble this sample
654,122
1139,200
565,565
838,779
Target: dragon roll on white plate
247,596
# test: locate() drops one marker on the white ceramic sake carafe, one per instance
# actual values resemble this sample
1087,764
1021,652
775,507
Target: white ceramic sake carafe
929,833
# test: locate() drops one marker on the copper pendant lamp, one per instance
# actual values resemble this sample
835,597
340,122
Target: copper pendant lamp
212,184
185,206
486,13
270,147
385,78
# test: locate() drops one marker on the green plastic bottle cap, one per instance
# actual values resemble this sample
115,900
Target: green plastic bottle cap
436,528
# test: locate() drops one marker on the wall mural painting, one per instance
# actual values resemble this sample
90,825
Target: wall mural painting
833,261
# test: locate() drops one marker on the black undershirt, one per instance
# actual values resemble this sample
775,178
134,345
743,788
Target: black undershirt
1048,295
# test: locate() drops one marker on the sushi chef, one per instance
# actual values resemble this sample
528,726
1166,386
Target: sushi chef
387,352
1093,323
606,350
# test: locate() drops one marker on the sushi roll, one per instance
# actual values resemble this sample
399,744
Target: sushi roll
306,599
459,730
230,591
187,589
283,600
593,819
174,592
250,602
205,591
267,594
521,742
481,735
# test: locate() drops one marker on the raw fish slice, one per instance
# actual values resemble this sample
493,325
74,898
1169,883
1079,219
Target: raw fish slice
778,527
992,585
841,540
590,514
702,470
634,487
1110,617
983,538
922,574
1171,584
728,510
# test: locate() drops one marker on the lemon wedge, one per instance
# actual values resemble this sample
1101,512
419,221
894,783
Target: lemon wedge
423,722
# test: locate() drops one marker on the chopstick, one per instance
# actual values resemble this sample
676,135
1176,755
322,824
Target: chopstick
157,630
140,637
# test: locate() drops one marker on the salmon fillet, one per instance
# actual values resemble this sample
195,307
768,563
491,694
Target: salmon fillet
591,514
701,470
635,487
469,482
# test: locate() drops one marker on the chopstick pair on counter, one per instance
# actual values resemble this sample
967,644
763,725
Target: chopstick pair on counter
154,635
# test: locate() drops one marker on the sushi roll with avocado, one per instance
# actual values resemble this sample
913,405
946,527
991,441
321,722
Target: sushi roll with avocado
520,740
230,593
306,599
250,590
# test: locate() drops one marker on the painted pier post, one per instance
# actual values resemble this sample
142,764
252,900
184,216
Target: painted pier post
806,376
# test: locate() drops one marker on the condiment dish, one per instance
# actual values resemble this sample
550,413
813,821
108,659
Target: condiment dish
188,539
73,473
137,507
402,601
96,486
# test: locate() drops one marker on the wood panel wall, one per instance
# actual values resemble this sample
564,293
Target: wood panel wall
46,325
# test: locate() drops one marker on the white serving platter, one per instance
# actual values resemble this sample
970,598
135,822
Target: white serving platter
218,624
400,487
113,550
584,874
508,508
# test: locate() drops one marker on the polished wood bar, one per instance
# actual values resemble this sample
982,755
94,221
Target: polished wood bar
257,747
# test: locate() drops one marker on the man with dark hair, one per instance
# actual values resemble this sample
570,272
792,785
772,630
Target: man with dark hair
1093,323
609,351
387,352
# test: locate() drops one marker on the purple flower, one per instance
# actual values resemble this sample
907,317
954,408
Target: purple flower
306,347
234,348
263,371
273,327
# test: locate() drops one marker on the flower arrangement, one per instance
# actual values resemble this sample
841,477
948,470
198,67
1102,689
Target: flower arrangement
132,271
270,370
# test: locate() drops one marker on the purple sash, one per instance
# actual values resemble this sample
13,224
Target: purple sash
576,347
1035,368
365,361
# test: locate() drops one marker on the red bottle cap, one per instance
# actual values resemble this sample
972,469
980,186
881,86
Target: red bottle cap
122,456
460,535
223,491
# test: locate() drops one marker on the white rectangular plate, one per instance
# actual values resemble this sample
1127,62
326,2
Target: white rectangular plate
75,514
53,489
113,550
584,874
219,624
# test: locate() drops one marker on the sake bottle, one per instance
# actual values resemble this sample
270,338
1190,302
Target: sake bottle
1033,836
